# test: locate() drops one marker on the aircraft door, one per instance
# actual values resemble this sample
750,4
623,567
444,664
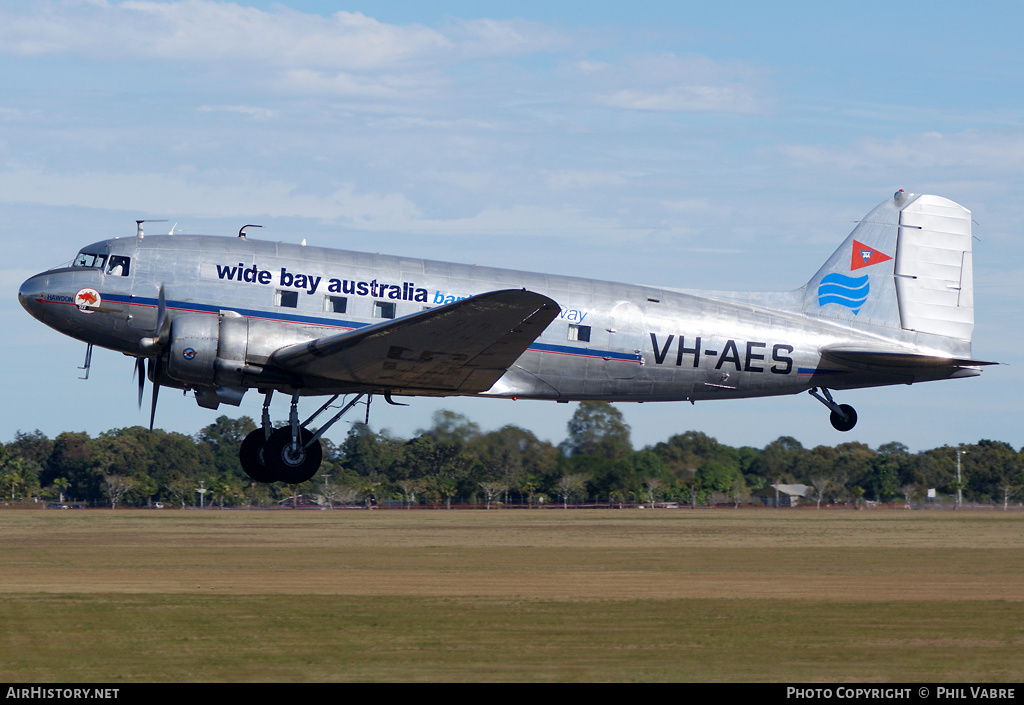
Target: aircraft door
624,339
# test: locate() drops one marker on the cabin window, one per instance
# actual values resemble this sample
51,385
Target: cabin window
383,309
286,299
88,259
335,304
119,265
579,333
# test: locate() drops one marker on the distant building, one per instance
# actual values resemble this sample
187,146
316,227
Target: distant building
787,495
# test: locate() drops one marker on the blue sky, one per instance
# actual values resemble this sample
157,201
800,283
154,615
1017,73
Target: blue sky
698,145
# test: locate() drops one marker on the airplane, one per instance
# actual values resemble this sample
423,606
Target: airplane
218,316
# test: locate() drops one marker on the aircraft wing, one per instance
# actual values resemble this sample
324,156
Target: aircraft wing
463,347
892,358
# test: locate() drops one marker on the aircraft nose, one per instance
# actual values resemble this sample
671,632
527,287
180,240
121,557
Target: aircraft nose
31,292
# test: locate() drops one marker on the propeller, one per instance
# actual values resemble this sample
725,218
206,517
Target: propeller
155,347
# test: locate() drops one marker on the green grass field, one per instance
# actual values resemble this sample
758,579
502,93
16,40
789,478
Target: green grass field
512,595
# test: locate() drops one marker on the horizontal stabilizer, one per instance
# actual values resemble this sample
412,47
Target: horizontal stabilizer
463,347
893,359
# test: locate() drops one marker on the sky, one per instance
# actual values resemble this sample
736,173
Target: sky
727,146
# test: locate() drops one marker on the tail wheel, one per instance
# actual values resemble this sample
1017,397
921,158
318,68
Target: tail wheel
843,421
292,463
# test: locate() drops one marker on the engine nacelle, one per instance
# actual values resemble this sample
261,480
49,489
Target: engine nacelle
192,354
228,352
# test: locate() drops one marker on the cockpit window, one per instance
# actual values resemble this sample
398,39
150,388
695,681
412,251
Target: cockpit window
118,265
87,259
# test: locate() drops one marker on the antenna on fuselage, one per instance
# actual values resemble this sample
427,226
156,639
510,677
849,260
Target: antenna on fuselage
138,224
241,233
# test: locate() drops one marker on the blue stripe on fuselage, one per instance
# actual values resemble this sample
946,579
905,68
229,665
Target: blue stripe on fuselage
349,325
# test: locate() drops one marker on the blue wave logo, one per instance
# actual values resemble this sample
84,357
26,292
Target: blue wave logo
850,292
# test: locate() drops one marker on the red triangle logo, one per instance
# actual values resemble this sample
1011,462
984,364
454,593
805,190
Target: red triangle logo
864,256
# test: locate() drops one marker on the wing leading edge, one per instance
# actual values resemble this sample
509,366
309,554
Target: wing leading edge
464,347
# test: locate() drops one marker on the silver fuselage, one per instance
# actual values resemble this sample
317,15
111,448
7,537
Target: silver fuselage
611,341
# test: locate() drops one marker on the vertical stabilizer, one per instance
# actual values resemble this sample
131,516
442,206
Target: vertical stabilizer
856,284
905,267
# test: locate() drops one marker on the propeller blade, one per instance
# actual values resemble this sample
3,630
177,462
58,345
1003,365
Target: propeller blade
152,411
163,323
156,391
140,372
158,342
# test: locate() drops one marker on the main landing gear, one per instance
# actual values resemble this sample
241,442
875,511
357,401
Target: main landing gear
843,416
291,453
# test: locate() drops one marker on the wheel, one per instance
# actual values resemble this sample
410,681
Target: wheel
292,464
250,454
841,423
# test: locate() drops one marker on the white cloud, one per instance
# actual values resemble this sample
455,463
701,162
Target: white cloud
249,111
667,82
694,206
346,54
351,54
13,115
591,66
207,194
683,99
203,30
576,179
970,149
454,126
524,221
344,83
214,194
490,37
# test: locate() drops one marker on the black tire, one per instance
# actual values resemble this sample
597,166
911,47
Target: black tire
841,423
292,465
250,454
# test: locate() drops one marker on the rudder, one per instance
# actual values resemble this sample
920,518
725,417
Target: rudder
934,268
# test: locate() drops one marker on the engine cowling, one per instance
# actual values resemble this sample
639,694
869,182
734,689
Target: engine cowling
192,354
228,352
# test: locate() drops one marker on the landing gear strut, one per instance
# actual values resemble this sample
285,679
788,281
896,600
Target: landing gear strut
289,454
843,416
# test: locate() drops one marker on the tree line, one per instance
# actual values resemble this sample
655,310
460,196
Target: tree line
453,461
